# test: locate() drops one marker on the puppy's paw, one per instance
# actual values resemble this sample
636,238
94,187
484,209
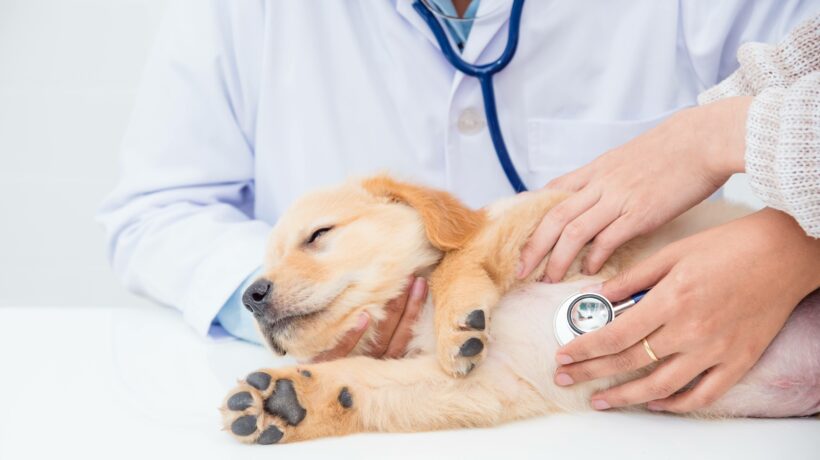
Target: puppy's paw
284,405
461,341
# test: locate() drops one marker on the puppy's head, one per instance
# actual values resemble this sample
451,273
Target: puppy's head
340,251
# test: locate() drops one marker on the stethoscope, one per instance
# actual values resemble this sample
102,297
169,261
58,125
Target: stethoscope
581,313
484,73
587,312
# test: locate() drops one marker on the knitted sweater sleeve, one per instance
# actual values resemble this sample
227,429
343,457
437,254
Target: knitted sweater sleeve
783,125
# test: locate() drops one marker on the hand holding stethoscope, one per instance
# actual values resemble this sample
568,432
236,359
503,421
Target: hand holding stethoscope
719,299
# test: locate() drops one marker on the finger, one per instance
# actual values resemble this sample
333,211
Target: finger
632,326
404,330
575,235
642,276
347,343
387,326
665,380
714,384
571,182
608,240
549,229
633,358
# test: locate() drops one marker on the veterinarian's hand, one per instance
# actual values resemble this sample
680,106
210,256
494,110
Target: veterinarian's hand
720,297
394,331
639,186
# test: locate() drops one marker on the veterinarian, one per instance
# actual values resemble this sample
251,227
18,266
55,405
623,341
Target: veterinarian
245,106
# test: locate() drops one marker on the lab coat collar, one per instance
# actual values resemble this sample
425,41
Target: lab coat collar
492,15
405,9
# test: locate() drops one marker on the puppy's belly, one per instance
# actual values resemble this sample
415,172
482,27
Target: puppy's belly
785,381
522,337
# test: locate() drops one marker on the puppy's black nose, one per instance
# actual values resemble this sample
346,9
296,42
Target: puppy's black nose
257,296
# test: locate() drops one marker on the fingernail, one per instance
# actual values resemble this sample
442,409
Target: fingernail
653,406
419,288
600,404
361,323
595,288
563,359
564,380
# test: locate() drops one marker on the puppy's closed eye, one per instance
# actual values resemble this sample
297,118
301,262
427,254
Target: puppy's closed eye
317,234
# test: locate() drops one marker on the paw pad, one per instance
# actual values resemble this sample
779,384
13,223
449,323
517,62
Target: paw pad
475,320
345,399
283,403
471,347
259,380
244,425
240,401
271,435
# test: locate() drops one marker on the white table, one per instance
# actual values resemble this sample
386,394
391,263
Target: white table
137,383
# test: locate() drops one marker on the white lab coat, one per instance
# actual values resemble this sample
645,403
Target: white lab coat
246,105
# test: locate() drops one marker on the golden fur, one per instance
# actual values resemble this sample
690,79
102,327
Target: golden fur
382,231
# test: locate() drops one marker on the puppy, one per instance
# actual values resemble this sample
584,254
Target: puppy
483,346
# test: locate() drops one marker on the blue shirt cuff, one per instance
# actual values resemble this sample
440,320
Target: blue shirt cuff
235,319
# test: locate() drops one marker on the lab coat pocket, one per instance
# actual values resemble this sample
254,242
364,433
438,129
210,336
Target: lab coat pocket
558,146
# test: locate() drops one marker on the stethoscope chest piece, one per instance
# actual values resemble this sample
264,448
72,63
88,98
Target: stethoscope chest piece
581,313
586,312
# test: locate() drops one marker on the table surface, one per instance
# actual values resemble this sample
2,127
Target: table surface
137,383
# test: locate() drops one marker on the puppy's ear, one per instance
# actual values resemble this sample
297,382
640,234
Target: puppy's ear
448,223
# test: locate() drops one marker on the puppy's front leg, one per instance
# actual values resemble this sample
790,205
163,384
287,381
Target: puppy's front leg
463,295
364,394
469,282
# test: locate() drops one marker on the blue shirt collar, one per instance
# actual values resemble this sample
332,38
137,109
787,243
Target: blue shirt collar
459,29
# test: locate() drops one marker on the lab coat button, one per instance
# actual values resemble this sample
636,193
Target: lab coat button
470,121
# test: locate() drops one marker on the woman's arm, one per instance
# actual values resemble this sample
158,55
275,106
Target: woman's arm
782,156
636,188
764,66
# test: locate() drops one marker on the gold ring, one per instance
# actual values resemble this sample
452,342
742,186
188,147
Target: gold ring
649,350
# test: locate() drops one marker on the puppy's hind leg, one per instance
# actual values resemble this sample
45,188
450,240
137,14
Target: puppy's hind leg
363,394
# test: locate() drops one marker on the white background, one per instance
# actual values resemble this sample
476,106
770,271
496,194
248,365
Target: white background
68,74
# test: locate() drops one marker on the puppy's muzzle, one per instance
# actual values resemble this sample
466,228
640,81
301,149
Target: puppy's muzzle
257,297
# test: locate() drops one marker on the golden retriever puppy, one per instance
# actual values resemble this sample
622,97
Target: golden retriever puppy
483,347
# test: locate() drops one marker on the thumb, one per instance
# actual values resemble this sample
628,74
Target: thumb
644,275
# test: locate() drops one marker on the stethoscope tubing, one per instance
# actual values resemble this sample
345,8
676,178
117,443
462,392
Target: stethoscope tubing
484,73
620,307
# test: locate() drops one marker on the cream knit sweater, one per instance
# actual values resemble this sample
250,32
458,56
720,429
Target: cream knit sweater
783,125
